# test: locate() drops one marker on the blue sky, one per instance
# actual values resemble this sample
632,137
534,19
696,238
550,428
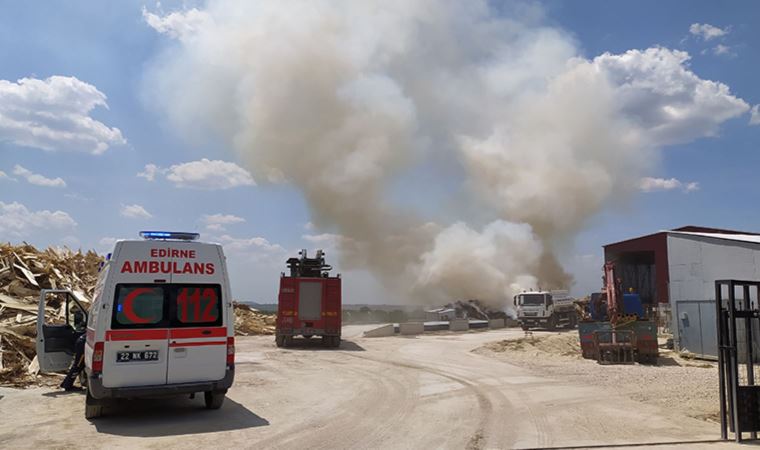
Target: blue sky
111,47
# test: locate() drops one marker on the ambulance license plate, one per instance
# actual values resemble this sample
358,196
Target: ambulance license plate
147,355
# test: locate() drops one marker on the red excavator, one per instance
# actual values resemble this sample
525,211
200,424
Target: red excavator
615,328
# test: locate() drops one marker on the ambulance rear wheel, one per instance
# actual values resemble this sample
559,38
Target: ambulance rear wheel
214,400
92,407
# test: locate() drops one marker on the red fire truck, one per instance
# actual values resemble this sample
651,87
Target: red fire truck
309,303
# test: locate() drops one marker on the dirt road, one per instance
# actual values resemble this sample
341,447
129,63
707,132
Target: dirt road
418,392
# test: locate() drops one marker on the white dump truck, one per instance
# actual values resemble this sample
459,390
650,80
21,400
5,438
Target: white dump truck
545,309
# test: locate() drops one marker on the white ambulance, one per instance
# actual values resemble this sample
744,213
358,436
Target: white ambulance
161,323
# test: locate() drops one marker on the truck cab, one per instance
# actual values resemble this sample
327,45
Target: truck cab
161,323
545,309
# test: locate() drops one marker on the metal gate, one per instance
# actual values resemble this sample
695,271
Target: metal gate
738,317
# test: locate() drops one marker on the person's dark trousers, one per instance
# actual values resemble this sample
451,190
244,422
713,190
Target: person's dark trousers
77,364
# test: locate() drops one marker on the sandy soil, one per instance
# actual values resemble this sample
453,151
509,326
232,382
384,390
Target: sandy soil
395,393
685,385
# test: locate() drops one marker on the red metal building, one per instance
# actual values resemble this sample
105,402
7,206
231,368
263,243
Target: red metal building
642,262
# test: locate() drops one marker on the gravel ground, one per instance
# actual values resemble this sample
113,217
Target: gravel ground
689,386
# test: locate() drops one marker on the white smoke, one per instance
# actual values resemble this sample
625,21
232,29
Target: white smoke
342,98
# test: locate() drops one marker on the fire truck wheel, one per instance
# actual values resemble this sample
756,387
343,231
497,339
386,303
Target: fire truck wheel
288,341
214,400
92,407
336,341
279,340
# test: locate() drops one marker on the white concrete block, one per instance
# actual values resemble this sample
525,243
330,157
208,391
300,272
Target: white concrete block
385,330
411,328
459,325
496,323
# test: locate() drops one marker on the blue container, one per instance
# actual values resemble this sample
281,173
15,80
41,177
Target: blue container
632,305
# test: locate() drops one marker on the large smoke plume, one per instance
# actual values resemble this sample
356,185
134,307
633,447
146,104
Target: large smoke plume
341,99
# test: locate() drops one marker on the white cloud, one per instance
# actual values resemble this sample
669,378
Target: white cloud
255,249
309,226
707,31
656,89
178,24
54,114
324,238
754,118
76,196
150,172
721,49
206,174
254,243
16,218
135,212
4,175
650,184
37,179
216,222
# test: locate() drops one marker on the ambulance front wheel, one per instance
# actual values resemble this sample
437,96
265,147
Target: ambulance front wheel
214,400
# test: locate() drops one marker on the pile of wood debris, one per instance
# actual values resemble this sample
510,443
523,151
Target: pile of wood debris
24,271
250,321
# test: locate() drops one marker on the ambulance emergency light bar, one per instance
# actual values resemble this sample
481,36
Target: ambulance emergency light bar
176,235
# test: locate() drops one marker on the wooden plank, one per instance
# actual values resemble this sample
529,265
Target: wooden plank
21,261
28,274
10,302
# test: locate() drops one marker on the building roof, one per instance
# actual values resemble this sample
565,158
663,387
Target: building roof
752,238
718,233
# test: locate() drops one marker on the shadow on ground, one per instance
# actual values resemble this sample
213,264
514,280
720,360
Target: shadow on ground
63,393
316,344
666,361
173,417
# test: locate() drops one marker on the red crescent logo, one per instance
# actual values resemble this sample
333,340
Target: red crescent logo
129,309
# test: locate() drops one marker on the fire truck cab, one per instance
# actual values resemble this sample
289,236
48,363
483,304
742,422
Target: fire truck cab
161,323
